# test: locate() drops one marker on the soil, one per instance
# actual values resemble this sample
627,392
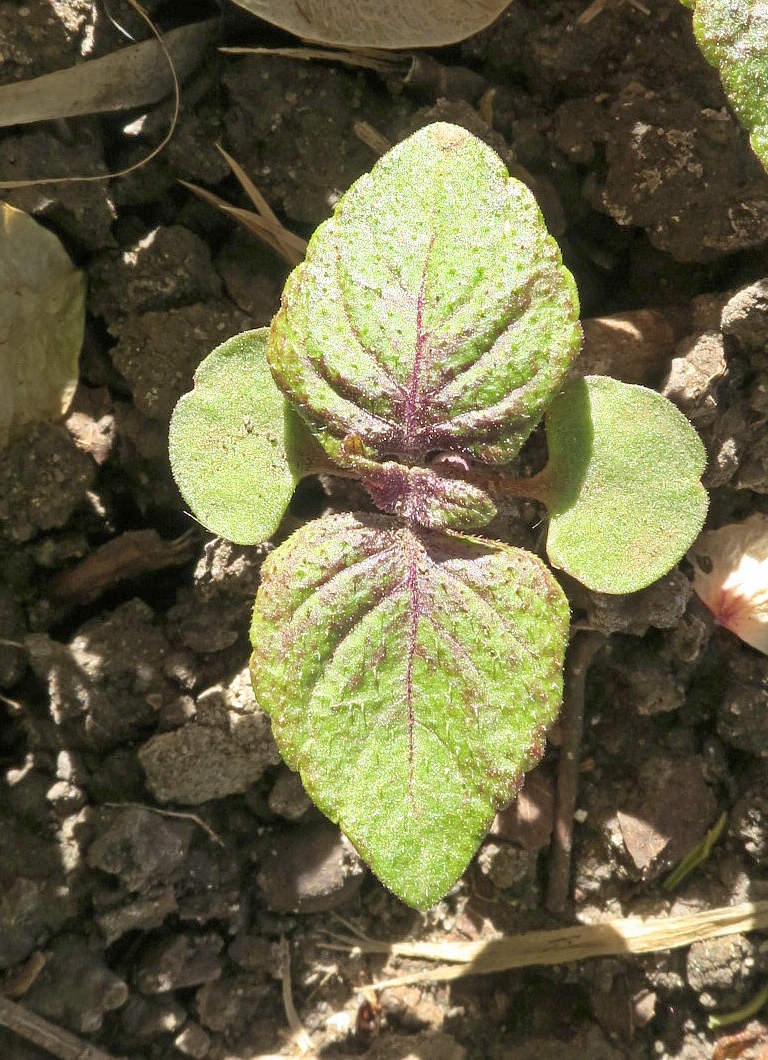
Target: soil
154,851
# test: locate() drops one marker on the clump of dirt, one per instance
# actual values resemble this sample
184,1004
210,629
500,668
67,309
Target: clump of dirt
154,851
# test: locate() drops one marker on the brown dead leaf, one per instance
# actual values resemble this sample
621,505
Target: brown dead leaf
42,318
129,555
378,23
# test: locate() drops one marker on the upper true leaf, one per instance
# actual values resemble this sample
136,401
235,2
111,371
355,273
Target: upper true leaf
733,36
432,313
237,447
622,484
410,677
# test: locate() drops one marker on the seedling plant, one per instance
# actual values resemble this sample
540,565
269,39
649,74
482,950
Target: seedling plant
410,666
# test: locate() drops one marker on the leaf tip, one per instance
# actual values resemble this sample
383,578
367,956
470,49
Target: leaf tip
448,137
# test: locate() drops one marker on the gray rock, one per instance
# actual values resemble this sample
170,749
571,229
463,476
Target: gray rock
588,1042
185,335
170,266
141,847
43,478
694,376
304,167
193,1041
745,319
30,912
310,870
719,964
223,752
228,1005
416,1047
684,174
253,953
742,720
749,819
506,865
660,606
82,211
248,271
143,914
75,987
178,962
288,798
651,685
105,705
667,814
142,1018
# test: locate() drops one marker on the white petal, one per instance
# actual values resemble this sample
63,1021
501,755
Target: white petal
731,577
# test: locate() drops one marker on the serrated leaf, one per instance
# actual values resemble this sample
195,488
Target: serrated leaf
237,447
733,36
42,319
379,23
432,313
622,484
410,677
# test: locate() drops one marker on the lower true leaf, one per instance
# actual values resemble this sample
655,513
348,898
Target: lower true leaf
411,677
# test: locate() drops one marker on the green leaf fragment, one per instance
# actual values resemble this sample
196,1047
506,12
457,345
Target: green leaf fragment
411,677
237,447
697,855
733,36
432,313
739,1015
622,484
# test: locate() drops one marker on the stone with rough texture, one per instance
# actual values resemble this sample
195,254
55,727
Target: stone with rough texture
141,847
169,266
310,870
179,962
201,761
43,478
75,987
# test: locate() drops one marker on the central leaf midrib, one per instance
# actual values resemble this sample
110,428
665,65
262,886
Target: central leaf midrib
414,397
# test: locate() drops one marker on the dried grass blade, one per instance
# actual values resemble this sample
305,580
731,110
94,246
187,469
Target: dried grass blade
607,939
366,59
250,189
289,246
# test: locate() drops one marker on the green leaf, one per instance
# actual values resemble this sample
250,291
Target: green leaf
432,313
237,447
411,677
622,484
733,36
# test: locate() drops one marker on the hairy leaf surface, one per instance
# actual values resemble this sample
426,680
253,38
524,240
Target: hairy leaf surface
622,484
237,447
432,313
733,36
410,677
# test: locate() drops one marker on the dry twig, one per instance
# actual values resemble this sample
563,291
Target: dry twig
47,1035
583,649
299,1036
171,813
